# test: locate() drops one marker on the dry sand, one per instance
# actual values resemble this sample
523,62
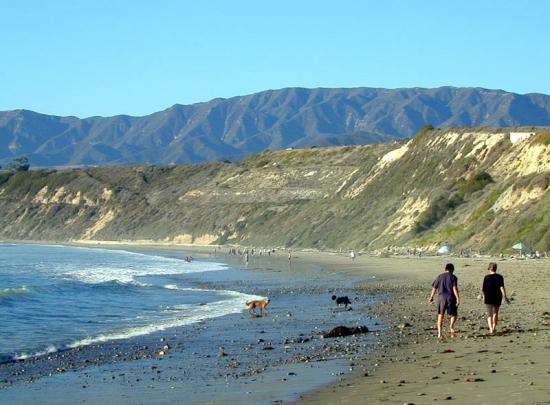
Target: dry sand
469,368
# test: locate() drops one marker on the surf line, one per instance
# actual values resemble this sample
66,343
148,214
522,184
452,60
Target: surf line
216,309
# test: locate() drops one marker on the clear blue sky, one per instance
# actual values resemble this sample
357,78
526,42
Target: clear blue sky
101,57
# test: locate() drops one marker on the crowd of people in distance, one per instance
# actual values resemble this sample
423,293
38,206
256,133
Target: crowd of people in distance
251,252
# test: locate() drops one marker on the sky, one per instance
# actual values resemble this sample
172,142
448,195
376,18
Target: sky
96,57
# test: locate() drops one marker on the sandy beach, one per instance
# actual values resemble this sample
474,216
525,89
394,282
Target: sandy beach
469,368
282,358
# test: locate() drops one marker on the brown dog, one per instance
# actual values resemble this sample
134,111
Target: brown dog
262,304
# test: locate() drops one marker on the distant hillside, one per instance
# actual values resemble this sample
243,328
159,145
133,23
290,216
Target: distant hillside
480,189
275,119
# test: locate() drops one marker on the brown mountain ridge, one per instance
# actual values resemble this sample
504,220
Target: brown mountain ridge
236,127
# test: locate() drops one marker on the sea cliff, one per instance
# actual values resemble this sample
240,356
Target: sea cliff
473,188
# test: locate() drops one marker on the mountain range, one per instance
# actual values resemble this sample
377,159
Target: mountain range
276,119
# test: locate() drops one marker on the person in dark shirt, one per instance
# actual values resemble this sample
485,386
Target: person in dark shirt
446,285
492,291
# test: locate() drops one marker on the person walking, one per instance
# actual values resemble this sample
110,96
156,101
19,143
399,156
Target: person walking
446,285
493,291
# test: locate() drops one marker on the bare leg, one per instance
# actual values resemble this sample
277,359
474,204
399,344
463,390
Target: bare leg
495,319
440,323
490,323
452,324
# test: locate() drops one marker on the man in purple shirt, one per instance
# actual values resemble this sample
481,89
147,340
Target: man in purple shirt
446,285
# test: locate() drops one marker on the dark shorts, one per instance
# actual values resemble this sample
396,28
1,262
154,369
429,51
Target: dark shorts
447,306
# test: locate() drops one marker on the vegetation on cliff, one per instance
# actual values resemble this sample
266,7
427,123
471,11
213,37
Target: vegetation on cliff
471,188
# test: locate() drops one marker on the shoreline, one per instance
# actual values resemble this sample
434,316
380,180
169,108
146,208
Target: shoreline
287,345
411,365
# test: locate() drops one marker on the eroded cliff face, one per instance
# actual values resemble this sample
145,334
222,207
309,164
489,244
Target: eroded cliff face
473,188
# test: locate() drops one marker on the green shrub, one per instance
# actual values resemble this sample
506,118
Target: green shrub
19,164
447,202
487,204
435,213
22,182
467,187
537,180
422,133
4,177
261,163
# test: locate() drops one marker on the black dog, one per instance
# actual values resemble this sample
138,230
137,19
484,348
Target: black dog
341,300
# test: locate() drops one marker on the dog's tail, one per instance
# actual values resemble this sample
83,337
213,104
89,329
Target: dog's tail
248,302
333,297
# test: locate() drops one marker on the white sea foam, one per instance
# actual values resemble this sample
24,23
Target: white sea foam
48,350
127,274
4,292
191,314
140,265
175,287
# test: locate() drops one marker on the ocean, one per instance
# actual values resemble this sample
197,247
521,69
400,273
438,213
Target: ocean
56,297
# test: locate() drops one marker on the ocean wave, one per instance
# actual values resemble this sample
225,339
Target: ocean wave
175,287
146,265
122,266
90,271
192,314
15,291
50,349
124,252
127,275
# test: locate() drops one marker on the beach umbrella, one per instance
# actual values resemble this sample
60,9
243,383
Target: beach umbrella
445,249
519,246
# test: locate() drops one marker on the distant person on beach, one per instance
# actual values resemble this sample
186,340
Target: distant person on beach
492,291
446,285
352,255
